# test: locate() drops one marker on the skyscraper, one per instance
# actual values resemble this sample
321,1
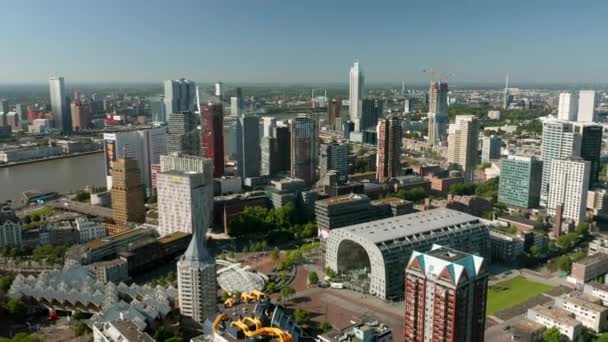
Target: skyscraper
590,147
235,108
22,111
490,148
388,162
128,192
334,110
507,97
445,296
283,148
179,96
4,106
519,183
158,110
212,122
248,146
567,109
268,125
372,110
568,185
356,85
232,130
81,115
303,138
59,105
463,138
219,90
438,112
196,281
182,134
333,157
586,106
270,156
559,141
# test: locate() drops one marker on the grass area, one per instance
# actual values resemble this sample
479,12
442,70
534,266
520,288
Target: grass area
44,211
511,292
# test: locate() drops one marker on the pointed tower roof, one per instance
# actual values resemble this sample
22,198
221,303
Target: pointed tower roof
197,251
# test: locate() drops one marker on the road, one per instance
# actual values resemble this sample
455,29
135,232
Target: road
87,209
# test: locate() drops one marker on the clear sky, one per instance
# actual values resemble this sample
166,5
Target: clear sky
303,40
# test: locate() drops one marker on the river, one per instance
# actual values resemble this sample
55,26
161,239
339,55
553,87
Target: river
61,175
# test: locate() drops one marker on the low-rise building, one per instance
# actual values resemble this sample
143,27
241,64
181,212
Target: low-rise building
441,186
505,247
589,268
521,223
10,230
473,205
89,230
598,245
554,317
99,249
227,185
359,332
55,234
585,308
20,154
115,271
525,330
597,202
597,290
228,208
119,331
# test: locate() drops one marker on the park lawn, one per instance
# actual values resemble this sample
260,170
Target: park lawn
510,292
42,211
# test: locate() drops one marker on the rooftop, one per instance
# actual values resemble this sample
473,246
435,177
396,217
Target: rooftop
556,314
343,199
123,235
172,237
592,259
131,332
528,326
416,223
584,301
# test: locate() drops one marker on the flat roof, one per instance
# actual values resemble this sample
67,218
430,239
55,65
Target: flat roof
172,237
400,226
592,259
559,315
584,301
119,236
343,199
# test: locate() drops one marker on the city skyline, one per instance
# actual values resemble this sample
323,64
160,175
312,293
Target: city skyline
282,41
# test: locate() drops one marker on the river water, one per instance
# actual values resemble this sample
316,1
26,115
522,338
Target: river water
61,175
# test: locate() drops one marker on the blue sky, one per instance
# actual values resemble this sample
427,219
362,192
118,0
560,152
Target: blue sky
303,41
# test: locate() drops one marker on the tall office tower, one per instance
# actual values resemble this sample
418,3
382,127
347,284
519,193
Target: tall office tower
59,104
22,111
403,88
180,96
507,97
586,106
196,281
268,126
144,145
219,90
463,138
81,115
232,130
445,296
388,162
4,106
333,112
356,85
158,110
490,148
183,202
182,134
372,111
559,142
283,148
519,183
128,192
438,112
333,157
567,109
590,147
303,137
235,108
408,105
248,147
212,122
270,156
568,185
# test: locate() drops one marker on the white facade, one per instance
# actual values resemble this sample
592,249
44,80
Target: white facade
356,85
568,184
585,309
463,138
59,104
120,331
268,124
568,107
586,106
10,231
494,114
219,89
553,317
89,230
235,108
230,185
179,96
145,145
196,280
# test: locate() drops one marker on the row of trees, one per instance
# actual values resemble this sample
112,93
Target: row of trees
278,224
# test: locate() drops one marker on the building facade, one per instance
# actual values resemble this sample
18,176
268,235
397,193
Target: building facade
333,157
248,146
438,113
590,147
520,181
586,106
212,119
10,230
59,105
183,135
356,85
567,109
490,148
128,192
568,185
559,141
463,138
180,96
388,163
303,140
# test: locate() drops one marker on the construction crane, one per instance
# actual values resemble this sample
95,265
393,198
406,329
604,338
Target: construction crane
433,73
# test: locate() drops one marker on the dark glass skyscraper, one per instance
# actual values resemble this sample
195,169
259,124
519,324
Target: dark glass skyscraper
212,120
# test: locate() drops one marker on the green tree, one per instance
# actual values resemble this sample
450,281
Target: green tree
313,278
23,337
552,335
275,254
463,189
325,326
287,292
301,316
81,329
582,229
330,272
271,287
15,308
225,296
535,251
6,282
83,196
174,339
565,263
567,241
162,335
602,338
413,195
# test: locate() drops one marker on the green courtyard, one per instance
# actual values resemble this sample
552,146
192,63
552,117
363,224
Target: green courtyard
511,292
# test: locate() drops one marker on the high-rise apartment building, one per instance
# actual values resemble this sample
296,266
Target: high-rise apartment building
334,110
388,159
143,145
463,138
270,155
180,96
183,135
590,147
445,296
568,107
438,112
303,140
559,142
59,105
371,111
568,185
490,148
81,115
519,183
212,122
128,192
333,157
196,281
248,146
586,106
356,85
